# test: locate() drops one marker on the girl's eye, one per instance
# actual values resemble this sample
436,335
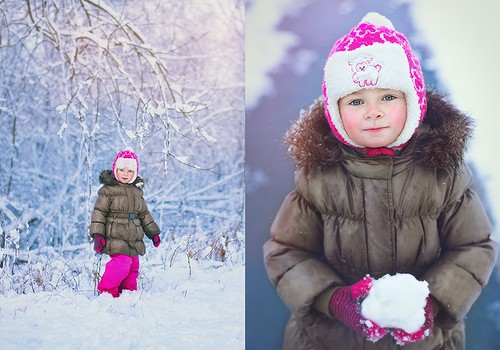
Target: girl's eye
388,98
356,102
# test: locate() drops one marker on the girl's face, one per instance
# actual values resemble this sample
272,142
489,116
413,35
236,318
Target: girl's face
373,117
124,175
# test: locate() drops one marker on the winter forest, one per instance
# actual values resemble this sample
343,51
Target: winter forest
81,80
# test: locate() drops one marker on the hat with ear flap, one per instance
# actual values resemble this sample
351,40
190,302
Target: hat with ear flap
126,159
374,55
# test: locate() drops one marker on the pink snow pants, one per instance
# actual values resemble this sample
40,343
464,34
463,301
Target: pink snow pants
121,273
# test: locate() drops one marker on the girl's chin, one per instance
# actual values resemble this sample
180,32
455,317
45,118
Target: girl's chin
375,145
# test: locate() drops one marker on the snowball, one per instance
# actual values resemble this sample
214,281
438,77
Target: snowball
397,302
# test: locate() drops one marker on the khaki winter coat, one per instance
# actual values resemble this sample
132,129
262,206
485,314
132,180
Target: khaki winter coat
350,216
121,215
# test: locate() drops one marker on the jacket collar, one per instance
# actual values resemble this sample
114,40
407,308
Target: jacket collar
106,178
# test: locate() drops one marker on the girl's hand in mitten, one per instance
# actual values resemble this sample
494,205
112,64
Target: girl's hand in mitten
403,338
99,243
156,240
345,306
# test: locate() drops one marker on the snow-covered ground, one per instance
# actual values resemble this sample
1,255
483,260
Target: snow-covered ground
195,305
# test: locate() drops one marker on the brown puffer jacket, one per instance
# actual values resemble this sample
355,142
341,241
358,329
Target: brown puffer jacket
350,216
121,215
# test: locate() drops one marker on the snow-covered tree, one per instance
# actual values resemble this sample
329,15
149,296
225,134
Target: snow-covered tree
81,80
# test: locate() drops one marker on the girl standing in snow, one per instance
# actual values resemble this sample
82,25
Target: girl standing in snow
381,188
119,221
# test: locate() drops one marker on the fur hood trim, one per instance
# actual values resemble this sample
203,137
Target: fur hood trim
106,178
440,142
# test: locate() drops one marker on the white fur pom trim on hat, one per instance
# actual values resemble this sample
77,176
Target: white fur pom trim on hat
377,20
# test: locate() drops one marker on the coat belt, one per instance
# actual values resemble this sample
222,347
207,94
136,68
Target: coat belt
130,216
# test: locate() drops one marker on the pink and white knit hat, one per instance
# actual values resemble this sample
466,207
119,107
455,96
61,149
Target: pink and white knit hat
374,55
126,159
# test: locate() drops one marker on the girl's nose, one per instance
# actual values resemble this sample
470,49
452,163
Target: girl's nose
374,116
373,112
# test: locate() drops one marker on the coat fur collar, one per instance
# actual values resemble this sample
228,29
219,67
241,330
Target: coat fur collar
106,177
440,141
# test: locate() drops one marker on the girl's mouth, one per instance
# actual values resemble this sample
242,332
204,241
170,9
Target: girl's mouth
376,129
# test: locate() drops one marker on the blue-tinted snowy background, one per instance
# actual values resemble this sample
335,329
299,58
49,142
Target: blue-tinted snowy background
287,42
79,81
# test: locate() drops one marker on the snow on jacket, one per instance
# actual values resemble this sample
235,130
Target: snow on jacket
121,215
350,216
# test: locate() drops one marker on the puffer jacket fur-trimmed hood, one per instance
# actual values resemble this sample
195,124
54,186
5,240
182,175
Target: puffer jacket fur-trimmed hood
106,178
440,141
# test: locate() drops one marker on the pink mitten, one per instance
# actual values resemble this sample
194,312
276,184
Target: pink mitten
156,240
99,243
345,306
403,338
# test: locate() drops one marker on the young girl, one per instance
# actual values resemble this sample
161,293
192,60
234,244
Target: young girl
381,188
119,221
